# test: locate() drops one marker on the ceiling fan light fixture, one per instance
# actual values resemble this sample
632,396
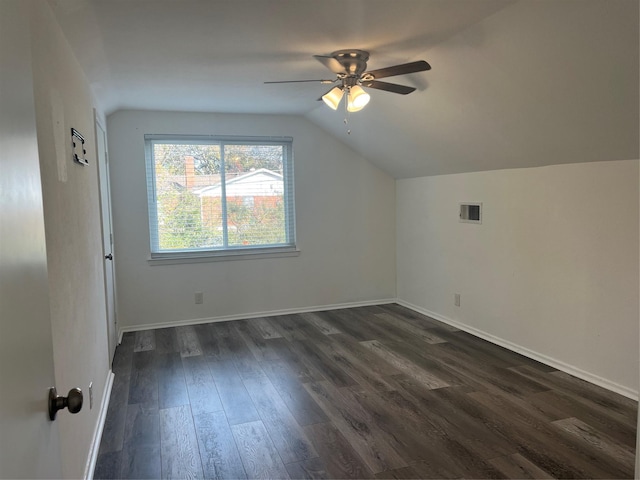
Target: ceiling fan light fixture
333,97
357,99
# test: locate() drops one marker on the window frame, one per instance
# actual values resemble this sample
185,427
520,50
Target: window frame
289,248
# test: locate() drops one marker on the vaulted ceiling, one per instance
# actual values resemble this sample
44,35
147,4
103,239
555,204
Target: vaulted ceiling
513,84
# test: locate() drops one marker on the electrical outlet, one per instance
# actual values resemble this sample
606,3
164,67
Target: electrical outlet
90,395
456,299
199,298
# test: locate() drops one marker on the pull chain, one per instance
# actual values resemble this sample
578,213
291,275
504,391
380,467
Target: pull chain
346,111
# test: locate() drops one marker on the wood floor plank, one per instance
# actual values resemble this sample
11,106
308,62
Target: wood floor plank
339,458
400,473
304,408
220,333
202,390
188,341
108,465
236,402
559,405
311,469
285,433
167,340
265,328
485,375
143,426
542,443
365,355
144,340
310,354
113,430
179,444
617,410
405,366
599,440
123,357
517,466
423,358
412,441
449,413
456,461
357,426
414,318
142,461
422,334
143,385
287,327
259,457
305,371
317,321
218,451
234,344
309,329
260,348
598,394
172,389
354,367
349,324
141,451
208,340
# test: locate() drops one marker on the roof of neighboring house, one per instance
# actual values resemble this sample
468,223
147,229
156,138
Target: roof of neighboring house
259,183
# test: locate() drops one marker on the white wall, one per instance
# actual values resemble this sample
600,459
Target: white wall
73,233
345,211
553,268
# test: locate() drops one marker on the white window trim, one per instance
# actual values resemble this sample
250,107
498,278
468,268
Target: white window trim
163,257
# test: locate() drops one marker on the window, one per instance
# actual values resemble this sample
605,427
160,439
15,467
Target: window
218,196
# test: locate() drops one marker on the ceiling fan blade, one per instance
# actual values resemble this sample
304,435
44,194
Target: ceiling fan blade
419,66
388,87
331,63
302,81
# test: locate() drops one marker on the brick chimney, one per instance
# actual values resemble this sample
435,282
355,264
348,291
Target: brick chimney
189,172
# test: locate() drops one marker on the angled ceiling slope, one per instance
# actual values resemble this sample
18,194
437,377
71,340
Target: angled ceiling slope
513,84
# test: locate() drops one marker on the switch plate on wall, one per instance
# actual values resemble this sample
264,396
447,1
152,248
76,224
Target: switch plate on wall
456,299
199,298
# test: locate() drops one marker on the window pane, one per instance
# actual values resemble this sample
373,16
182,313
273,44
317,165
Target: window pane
186,219
255,194
211,194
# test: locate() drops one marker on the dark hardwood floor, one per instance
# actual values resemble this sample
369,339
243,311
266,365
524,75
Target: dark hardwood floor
370,392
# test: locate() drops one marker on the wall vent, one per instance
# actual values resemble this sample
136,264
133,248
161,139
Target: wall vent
471,212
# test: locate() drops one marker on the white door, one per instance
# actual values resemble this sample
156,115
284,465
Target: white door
107,237
29,441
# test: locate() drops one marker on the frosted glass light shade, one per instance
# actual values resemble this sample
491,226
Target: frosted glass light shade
333,97
358,98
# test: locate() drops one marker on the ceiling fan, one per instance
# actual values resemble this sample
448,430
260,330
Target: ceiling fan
350,68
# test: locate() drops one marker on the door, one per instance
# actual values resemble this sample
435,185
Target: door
29,441
107,236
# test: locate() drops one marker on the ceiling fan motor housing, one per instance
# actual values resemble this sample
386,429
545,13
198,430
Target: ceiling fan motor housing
353,61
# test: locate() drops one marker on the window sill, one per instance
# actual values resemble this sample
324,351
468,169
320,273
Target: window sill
221,256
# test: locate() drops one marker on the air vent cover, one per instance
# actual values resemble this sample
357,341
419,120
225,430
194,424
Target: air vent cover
471,212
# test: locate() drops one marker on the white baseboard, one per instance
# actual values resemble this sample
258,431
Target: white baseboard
242,316
97,434
552,362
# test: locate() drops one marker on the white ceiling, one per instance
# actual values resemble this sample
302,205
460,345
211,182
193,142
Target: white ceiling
513,84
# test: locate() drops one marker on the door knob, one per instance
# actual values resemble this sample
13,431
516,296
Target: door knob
109,257
73,401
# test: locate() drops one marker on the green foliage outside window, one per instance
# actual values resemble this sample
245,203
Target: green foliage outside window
188,219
